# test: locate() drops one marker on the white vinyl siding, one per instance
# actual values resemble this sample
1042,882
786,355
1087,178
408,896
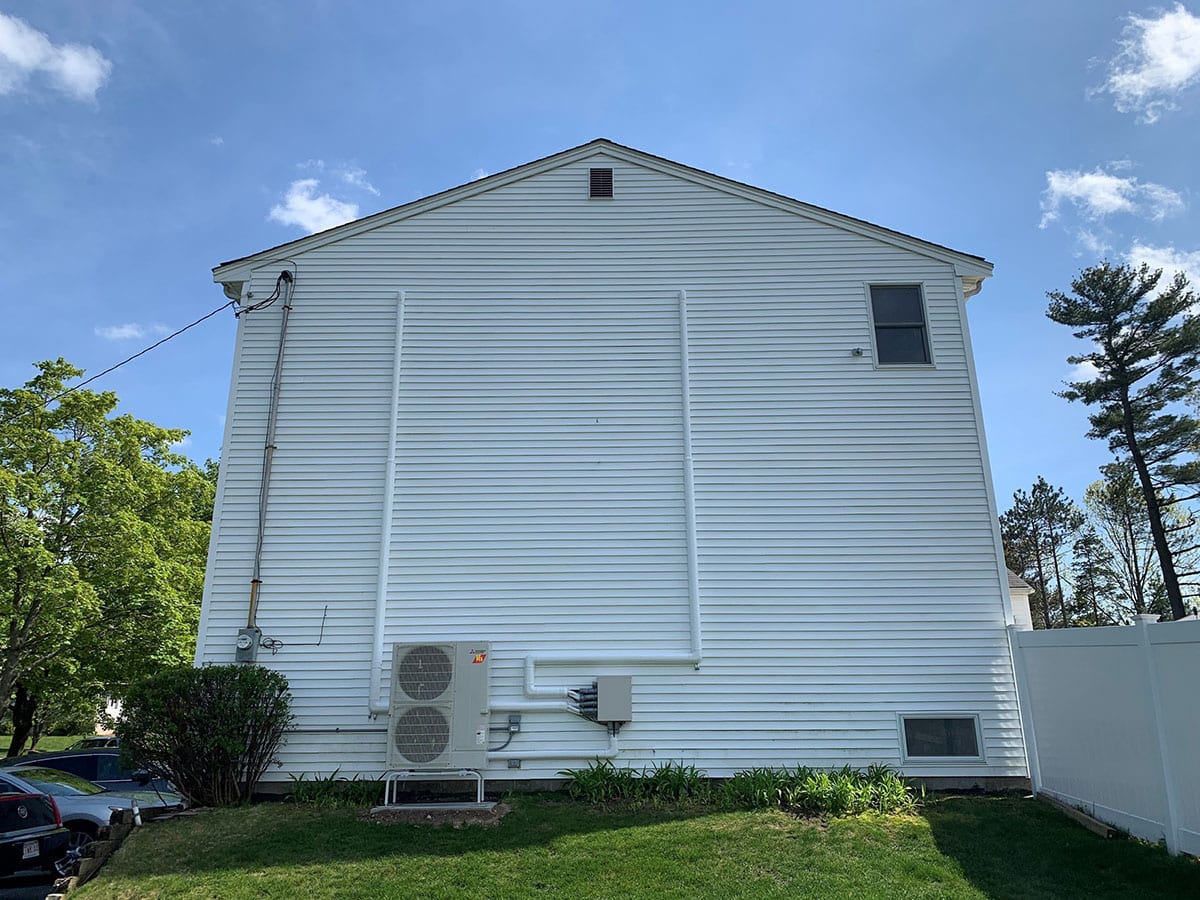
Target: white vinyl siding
847,564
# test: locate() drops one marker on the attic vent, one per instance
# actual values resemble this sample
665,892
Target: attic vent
601,183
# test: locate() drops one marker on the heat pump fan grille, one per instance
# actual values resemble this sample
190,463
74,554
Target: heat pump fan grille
425,673
421,734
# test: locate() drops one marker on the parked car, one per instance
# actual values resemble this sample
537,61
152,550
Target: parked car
99,742
32,835
85,807
104,767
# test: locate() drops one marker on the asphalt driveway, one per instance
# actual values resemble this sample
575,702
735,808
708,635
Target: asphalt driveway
26,886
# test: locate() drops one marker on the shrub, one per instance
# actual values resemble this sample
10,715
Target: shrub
669,782
807,791
601,782
212,731
332,790
674,782
802,790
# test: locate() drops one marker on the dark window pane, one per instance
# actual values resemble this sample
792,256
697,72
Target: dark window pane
83,766
901,345
940,737
110,769
897,304
7,787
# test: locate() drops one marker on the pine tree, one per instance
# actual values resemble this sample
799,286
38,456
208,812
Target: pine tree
1145,351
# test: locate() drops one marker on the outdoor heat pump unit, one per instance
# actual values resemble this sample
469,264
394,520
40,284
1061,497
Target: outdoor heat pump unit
439,706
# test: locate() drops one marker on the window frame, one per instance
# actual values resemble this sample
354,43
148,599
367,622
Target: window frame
930,362
907,759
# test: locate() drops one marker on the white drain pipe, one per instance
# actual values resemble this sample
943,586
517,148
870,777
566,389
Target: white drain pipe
375,706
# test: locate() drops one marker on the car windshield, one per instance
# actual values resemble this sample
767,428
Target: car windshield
56,783
90,744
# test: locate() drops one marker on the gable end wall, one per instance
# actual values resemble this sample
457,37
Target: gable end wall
848,568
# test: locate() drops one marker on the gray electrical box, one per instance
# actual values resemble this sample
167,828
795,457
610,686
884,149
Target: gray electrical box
246,648
614,698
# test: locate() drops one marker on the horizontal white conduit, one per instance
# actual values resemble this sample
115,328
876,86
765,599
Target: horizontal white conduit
609,752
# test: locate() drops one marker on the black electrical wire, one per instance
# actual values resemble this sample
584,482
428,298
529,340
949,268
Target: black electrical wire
275,644
502,746
283,276
113,368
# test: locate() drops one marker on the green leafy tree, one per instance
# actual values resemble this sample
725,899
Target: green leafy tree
1038,531
1117,510
1092,600
103,536
1145,347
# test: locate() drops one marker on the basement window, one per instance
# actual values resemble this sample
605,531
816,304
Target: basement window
898,315
600,183
951,737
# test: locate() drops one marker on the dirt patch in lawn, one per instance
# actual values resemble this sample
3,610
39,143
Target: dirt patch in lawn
455,818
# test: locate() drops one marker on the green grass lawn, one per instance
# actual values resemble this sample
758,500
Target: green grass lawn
551,847
51,742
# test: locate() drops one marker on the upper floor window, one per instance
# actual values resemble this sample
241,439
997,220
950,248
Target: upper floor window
901,335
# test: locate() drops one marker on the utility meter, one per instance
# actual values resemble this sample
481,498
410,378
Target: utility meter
248,640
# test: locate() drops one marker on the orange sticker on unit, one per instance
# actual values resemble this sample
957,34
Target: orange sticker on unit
479,657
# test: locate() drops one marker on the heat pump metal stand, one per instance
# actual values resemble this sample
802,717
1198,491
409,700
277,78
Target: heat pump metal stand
392,780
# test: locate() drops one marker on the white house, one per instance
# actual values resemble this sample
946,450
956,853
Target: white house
605,414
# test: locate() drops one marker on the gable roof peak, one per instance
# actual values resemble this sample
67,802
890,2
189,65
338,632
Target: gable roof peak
966,264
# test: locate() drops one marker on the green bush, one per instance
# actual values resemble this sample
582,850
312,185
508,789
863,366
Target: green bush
333,790
846,791
212,731
802,790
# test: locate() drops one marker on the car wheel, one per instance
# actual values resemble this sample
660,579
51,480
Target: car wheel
82,835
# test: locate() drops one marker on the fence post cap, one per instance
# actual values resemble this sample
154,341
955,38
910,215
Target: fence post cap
1148,618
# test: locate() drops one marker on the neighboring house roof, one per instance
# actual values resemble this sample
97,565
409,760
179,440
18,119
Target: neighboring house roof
1017,583
975,268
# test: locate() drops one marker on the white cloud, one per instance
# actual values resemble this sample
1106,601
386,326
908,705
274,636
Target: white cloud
126,332
1169,260
182,444
479,173
1084,371
1099,194
217,141
76,70
357,178
160,330
304,207
1096,244
1159,57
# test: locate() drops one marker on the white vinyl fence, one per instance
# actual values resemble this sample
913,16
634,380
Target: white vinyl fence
1112,724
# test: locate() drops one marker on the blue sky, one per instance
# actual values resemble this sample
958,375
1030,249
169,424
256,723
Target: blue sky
142,143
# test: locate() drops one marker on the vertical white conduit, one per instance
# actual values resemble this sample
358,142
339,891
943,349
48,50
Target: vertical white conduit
375,706
689,484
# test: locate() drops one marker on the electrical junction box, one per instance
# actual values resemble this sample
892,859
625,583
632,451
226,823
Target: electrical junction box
614,698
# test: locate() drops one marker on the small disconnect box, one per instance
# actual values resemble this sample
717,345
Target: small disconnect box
614,698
